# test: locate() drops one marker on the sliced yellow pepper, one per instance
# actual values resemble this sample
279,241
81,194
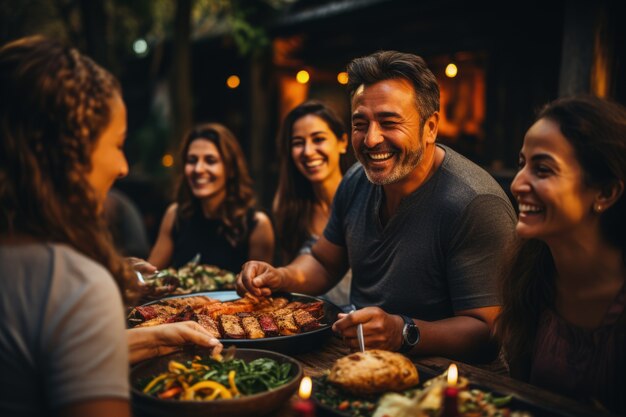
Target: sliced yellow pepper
173,366
231,381
154,382
216,386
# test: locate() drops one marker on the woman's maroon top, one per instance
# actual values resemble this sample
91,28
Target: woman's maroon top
588,365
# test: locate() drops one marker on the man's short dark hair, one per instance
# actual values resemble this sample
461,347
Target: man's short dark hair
386,65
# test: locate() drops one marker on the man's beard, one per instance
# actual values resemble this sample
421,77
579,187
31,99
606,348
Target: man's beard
403,168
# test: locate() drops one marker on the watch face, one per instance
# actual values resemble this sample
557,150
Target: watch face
412,335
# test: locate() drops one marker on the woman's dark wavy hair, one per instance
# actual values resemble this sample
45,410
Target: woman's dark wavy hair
387,65
596,129
54,105
294,199
239,193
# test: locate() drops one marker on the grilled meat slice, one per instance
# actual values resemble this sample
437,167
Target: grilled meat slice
229,307
152,311
231,329
252,327
268,325
209,324
316,309
286,323
195,302
305,321
272,304
185,314
154,322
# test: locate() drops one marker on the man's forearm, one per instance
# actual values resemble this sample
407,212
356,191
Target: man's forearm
306,275
461,337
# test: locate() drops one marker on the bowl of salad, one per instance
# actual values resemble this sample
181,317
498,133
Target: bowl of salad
192,383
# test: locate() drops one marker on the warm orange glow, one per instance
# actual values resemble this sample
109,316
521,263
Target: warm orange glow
302,77
451,70
453,374
167,160
233,81
342,77
305,388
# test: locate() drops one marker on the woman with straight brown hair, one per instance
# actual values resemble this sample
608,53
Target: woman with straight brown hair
214,214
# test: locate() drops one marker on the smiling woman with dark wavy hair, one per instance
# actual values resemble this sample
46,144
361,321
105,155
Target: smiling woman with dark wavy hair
214,213
563,320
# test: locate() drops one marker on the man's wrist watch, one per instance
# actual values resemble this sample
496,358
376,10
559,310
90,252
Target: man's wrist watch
410,334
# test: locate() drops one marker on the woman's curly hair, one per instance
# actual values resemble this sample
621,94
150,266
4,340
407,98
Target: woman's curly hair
54,105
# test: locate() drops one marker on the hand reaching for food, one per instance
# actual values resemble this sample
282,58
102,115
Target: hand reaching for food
149,342
259,278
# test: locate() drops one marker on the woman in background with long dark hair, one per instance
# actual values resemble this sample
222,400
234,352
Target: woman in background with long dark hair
214,214
563,320
311,145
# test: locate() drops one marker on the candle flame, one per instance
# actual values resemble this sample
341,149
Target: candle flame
453,374
305,388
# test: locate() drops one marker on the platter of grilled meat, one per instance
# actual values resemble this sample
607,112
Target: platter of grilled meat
285,322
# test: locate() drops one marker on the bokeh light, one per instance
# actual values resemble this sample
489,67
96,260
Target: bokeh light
342,77
140,46
302,77
233,81
167,160
451,70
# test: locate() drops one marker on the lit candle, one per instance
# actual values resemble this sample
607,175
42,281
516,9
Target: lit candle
453,375
451,394
304,407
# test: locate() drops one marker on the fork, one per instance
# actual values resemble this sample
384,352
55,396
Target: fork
359,330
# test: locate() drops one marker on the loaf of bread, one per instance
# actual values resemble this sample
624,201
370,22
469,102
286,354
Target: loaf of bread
373,371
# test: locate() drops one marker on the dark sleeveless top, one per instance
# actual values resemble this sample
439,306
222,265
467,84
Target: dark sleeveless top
588,365
198,234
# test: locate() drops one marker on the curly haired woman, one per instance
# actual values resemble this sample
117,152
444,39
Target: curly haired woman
64,349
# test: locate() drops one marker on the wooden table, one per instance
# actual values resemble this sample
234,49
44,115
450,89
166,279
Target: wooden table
541,402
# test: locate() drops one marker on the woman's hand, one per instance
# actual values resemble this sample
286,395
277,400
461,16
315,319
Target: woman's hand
142,266
149,342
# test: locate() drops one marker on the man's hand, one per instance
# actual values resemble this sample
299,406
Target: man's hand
259,279
380,330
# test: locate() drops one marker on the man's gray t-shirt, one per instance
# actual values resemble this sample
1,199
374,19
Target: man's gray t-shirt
438,254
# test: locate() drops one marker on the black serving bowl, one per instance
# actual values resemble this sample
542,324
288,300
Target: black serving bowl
258,404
